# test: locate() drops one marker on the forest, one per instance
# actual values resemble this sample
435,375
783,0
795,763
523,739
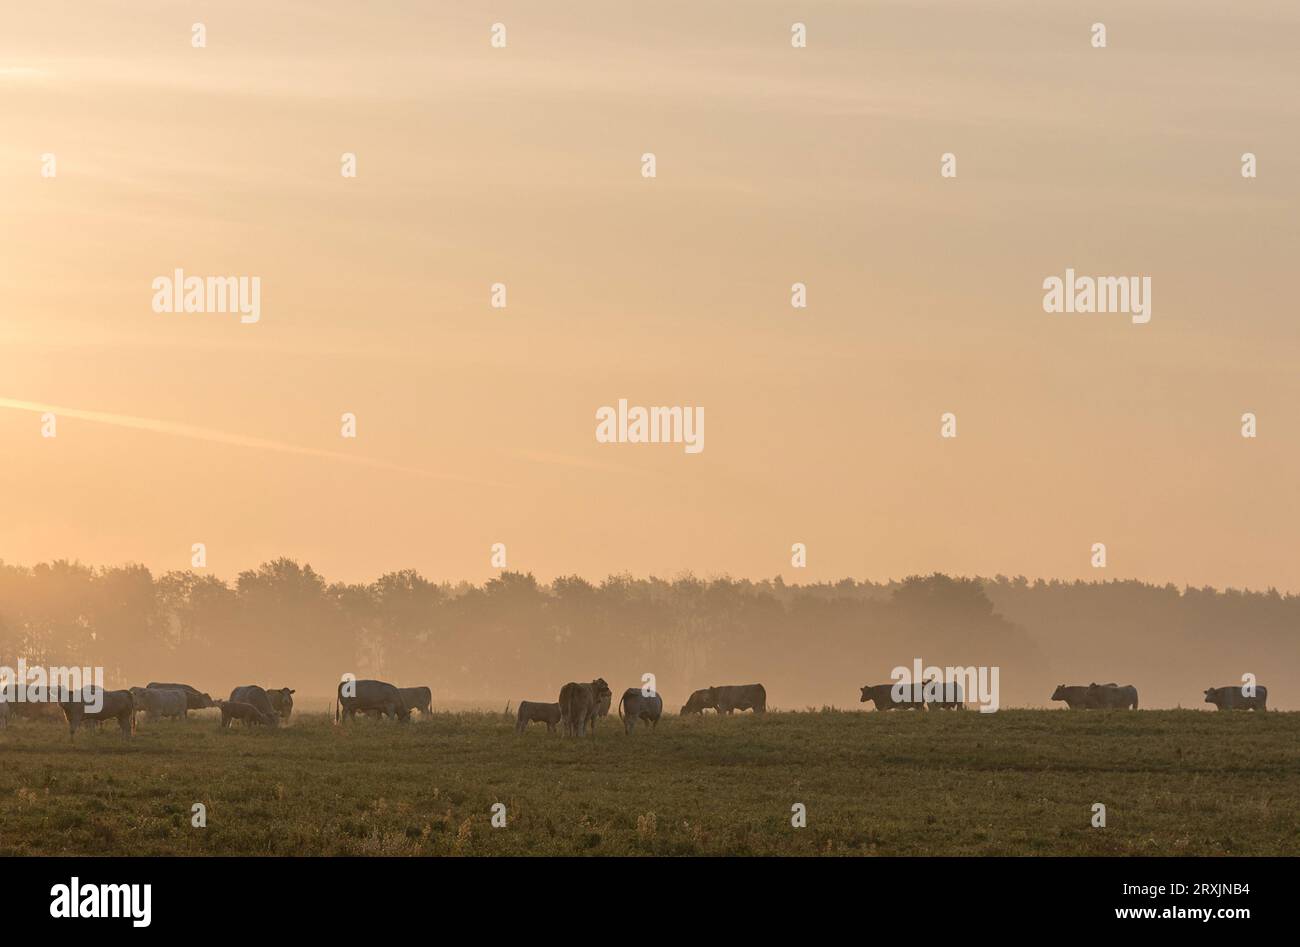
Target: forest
513,637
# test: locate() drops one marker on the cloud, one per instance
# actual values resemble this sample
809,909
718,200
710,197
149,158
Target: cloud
193,432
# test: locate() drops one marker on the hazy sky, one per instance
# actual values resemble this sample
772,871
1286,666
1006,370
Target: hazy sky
775,165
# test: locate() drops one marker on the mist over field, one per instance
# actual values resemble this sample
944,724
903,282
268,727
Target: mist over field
513,637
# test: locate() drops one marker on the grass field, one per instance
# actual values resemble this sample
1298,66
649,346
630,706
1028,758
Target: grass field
1018,782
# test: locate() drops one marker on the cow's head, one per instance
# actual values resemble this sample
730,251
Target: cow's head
286,701
696,703
205,700
600,689
1059,693
866,694
1212,695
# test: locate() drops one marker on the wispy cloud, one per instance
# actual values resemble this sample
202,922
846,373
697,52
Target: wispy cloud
174,429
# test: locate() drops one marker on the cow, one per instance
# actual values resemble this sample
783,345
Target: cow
639,707
160,702
531,711
281,699
1112,697
369,695
913,696
232,710
1234,698
741,697
195,699
945,696
255,695
116,705
1076,697
726,698
417,698
579,704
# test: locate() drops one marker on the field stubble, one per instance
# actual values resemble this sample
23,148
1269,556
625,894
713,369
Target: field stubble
1018,782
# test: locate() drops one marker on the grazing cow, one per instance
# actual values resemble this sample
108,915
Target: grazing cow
698,702
232,710
579,703
639,707
257,696
117,705
281,699
159,702
741,697
531,711
726,698
1112,697
882,695
1076,697
417,698
195,699
379,696
1234,698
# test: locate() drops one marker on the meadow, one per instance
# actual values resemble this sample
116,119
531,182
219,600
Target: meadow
1018,782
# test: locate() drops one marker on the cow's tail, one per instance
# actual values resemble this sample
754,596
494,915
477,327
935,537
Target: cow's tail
620,705
336,710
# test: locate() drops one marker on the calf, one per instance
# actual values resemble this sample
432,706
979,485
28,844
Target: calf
531,711
232,710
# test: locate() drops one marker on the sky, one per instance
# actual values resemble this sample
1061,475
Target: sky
774,165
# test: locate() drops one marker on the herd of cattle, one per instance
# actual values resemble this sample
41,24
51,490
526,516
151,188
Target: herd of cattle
577,710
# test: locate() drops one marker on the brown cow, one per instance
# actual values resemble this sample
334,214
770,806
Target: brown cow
112,705
728,697
531,711
232,710
281,700
579,704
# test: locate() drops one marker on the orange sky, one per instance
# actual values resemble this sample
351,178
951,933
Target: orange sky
775,165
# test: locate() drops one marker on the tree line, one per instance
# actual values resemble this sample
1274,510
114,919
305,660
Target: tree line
514,637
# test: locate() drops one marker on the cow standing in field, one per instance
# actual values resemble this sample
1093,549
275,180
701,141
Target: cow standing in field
1112,697
531,711
195,699
232,710
366,696
579,703
281,700
255,695
157,702
417,698
1234,698
116,705
727,698
1076,697
882,695
639,706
